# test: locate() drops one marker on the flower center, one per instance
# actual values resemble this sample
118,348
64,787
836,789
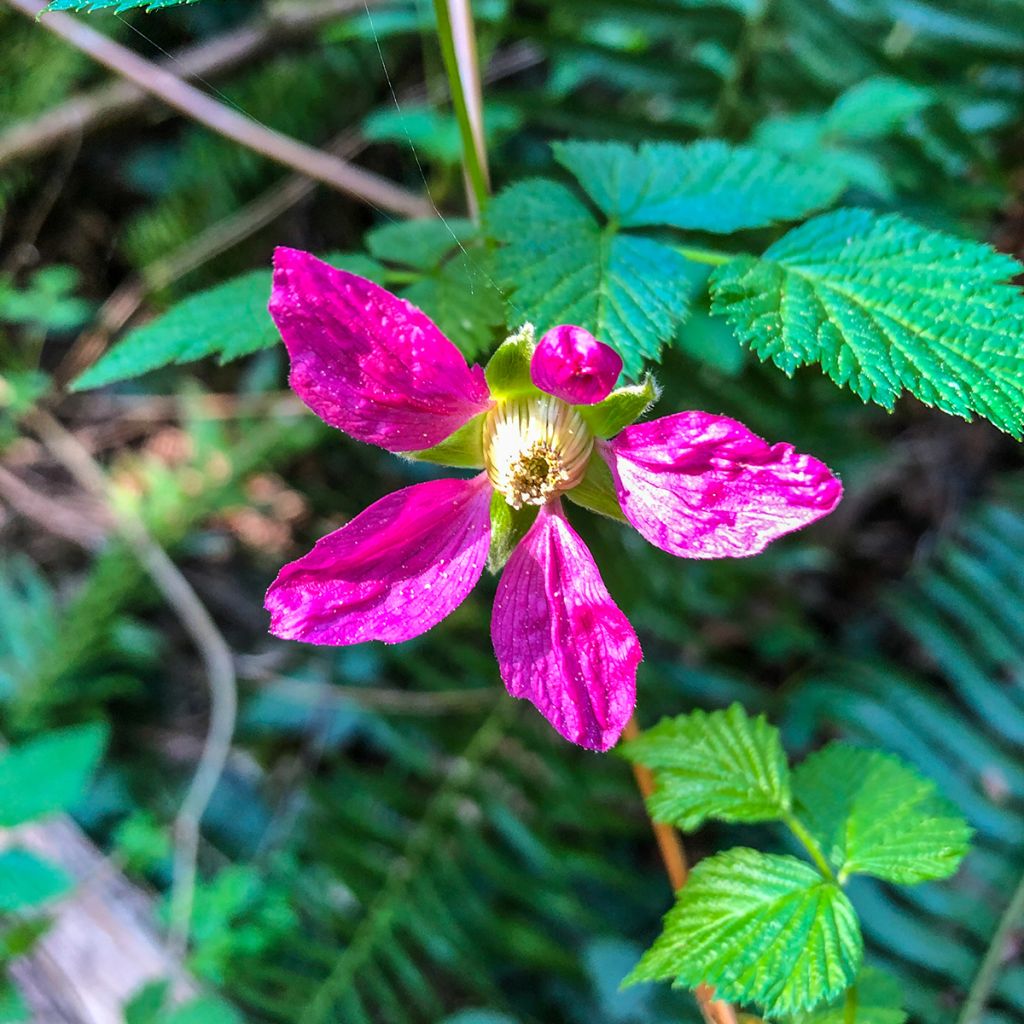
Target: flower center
535,448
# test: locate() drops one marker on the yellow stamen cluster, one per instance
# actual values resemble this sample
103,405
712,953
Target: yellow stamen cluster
535,448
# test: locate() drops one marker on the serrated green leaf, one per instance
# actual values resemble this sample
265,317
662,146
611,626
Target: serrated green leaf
874,815
722,764
117,6
48,774
229,320
704,186
759,928
886,306
26,881
462,298
879,1000
562,267
420,244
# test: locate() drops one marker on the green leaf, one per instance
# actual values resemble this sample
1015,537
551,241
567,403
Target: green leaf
433,133
879,1000
562,267
146,1006
26,881
622,407
230,319
113,5
759,928
12,1006
420,244
874,815
48,774
876,107
463,300
722,764
886,306
703,186
206,1010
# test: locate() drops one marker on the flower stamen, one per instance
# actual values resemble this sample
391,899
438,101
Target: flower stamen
535,449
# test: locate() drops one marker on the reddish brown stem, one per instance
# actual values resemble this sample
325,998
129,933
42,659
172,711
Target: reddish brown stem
673,855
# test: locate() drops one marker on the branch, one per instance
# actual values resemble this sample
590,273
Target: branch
205,110
116,102
673,855
212,647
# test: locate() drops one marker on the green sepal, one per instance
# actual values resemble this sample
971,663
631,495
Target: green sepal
596,491
463,449
508,371
508,527
620,408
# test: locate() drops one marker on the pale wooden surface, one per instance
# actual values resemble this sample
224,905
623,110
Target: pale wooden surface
102,946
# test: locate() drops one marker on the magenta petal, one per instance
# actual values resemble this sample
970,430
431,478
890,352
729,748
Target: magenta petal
391,573
368,362
704,486
571,364
561,642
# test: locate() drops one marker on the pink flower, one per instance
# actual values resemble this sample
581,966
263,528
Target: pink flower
542,422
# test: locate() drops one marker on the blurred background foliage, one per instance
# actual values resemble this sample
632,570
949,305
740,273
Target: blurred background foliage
393,840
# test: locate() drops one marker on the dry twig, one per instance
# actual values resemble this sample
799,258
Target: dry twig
218,117
212,647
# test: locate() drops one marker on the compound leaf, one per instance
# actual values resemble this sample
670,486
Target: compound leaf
563,267
760,928
874,815
703,186
722,765
886,306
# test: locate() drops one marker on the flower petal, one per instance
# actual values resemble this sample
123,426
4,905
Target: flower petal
703,486
391,573
561,641
571,364
368,362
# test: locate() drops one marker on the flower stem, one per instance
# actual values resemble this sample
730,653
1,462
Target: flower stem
458,51
673,855
797,827
709,256
850,1006
988,972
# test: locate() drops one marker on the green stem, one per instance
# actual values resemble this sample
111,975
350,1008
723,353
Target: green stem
708,256
472,158
809,843
988,972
